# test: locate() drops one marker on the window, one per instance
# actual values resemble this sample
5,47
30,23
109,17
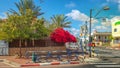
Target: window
99,37
115,30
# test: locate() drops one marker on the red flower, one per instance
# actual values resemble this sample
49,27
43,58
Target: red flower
61,36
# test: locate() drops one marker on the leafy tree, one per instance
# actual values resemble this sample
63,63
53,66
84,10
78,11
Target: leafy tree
24,27
3,35
22,23
38,30
17,27
25,5
111,38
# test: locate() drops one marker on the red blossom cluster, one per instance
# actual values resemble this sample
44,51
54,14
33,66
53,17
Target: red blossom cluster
59,35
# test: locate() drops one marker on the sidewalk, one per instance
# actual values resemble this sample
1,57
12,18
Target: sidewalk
22,62
13,59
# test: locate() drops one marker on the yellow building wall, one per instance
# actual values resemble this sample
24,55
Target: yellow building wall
117,33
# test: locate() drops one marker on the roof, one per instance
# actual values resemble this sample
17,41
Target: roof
102,33
117,23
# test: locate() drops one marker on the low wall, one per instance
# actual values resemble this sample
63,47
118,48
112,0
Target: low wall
13,51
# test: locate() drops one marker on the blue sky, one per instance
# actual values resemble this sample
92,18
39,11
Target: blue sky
76,10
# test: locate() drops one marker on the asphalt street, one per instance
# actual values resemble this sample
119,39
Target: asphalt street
110,55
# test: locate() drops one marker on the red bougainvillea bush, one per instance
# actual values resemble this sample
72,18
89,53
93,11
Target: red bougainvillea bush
59,35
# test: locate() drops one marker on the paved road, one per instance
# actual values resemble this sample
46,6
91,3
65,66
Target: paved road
108,52
109,55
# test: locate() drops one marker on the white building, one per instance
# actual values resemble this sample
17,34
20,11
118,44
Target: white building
116,31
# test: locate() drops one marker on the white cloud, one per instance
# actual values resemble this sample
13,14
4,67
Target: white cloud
106,25
70,5
106,22
77,15
94,20
74,31
3,16
103,28
116,18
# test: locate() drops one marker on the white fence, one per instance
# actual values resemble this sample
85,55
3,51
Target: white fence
3,48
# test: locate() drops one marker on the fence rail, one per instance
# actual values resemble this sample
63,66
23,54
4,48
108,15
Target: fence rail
37,43
56,54
14,50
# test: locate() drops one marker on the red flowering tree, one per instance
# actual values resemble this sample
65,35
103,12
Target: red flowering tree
61,36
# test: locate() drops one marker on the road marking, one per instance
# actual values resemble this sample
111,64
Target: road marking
102,63
118,66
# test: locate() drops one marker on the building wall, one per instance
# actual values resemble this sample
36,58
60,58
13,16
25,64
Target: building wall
101,38
115,33
115,30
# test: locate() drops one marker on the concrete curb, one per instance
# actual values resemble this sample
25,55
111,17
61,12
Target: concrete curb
26,65
51,63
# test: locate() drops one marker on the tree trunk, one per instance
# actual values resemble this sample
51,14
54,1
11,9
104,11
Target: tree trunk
33,43
26,45
20,42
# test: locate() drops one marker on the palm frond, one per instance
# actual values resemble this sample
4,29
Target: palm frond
24,5
61,21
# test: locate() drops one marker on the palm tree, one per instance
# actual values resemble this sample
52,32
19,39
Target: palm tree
60,21
24,5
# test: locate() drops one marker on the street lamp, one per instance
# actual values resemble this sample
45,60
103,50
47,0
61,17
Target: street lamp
90,38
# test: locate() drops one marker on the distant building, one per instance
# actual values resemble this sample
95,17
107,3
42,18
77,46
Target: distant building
116,31
101,37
